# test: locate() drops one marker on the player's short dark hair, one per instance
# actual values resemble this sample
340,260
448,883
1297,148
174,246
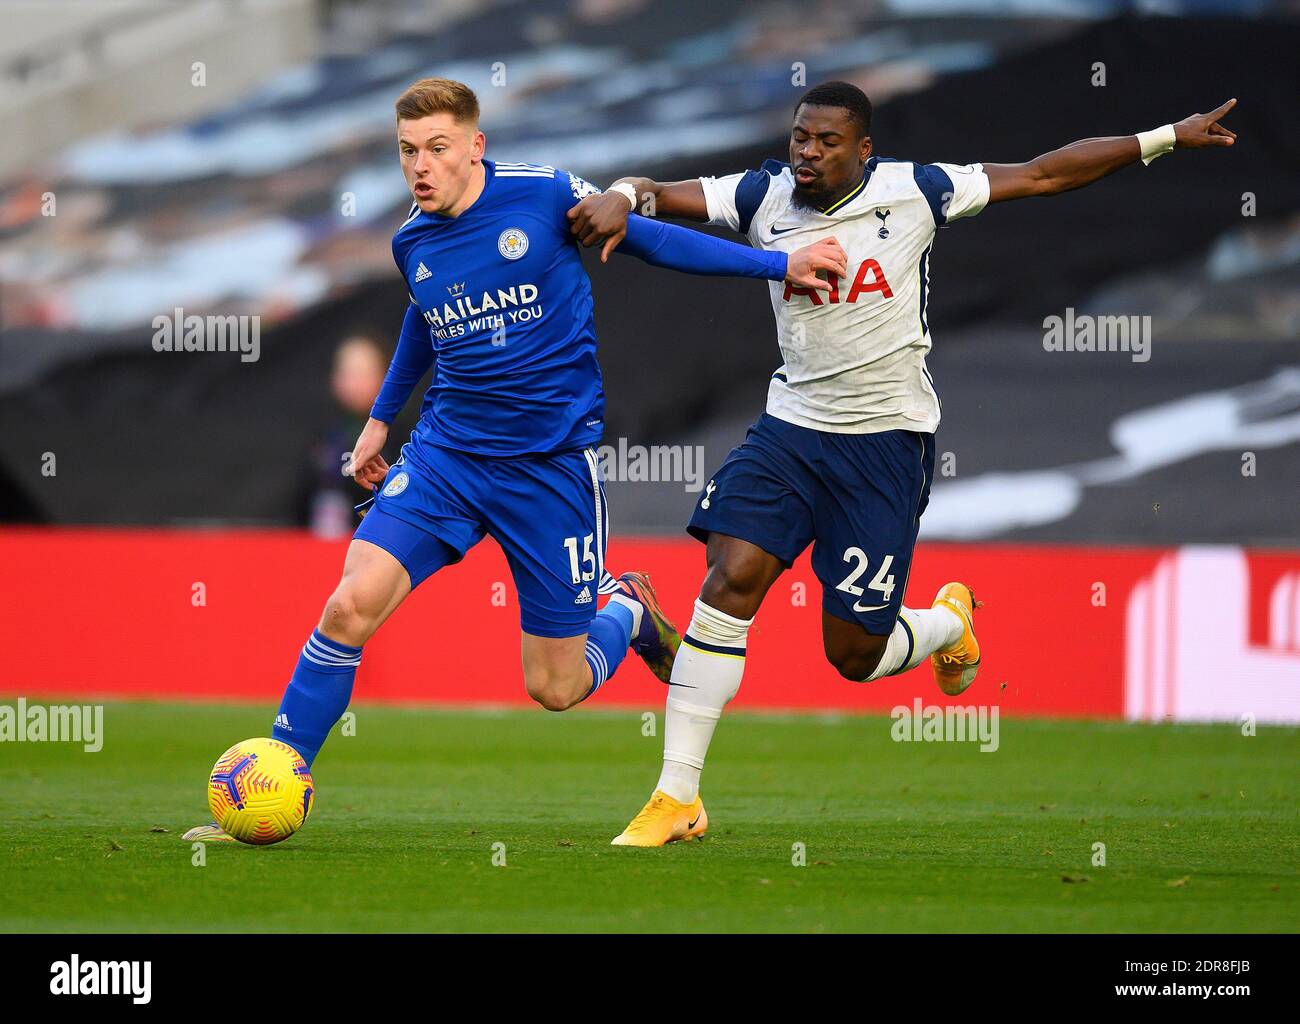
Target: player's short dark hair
431,96
841,94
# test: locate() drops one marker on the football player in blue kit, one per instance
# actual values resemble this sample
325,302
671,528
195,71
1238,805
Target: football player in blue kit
501,307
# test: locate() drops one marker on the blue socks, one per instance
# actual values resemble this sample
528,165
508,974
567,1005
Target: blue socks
607,640
321,686
317,695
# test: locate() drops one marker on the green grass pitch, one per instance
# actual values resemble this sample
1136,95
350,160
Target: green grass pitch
1199,823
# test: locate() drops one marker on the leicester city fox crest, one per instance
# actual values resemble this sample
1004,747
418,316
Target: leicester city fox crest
396,486
512,243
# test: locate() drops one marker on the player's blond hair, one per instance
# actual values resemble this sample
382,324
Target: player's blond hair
431,96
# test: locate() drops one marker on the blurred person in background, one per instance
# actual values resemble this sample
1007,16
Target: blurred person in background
360,362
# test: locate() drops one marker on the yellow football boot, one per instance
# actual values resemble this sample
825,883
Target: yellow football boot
955,666
664,820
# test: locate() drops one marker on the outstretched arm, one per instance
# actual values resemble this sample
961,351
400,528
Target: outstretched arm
1081,163
604,217
684,199
693,252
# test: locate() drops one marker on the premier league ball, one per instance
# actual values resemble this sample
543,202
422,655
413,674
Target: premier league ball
260,791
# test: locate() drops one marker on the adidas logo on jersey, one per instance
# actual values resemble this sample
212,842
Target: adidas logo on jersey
282,722
422,273
584,597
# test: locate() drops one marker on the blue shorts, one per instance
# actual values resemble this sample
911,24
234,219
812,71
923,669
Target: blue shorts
857,498
547,513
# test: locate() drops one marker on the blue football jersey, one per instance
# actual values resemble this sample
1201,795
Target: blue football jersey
509,313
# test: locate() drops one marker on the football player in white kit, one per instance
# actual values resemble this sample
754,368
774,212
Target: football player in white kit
843,457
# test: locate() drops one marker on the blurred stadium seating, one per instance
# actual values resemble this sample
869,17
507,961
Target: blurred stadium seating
281,202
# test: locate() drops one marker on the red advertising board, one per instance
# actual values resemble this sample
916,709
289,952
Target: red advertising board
1067,631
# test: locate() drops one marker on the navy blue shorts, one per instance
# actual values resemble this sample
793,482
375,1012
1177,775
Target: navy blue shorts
547,513
857,498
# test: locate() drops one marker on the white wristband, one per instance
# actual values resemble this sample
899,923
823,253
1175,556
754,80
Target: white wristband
626,191
1156,142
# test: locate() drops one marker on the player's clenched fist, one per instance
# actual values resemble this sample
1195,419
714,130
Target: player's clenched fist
367,466
826,254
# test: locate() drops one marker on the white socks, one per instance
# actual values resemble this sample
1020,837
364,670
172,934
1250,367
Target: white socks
917,634
711,661
706,675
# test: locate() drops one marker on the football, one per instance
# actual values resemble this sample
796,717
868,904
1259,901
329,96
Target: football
260,791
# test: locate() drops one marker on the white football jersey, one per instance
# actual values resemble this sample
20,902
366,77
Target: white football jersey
854,357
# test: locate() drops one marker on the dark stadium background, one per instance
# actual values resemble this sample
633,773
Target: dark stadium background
193,451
